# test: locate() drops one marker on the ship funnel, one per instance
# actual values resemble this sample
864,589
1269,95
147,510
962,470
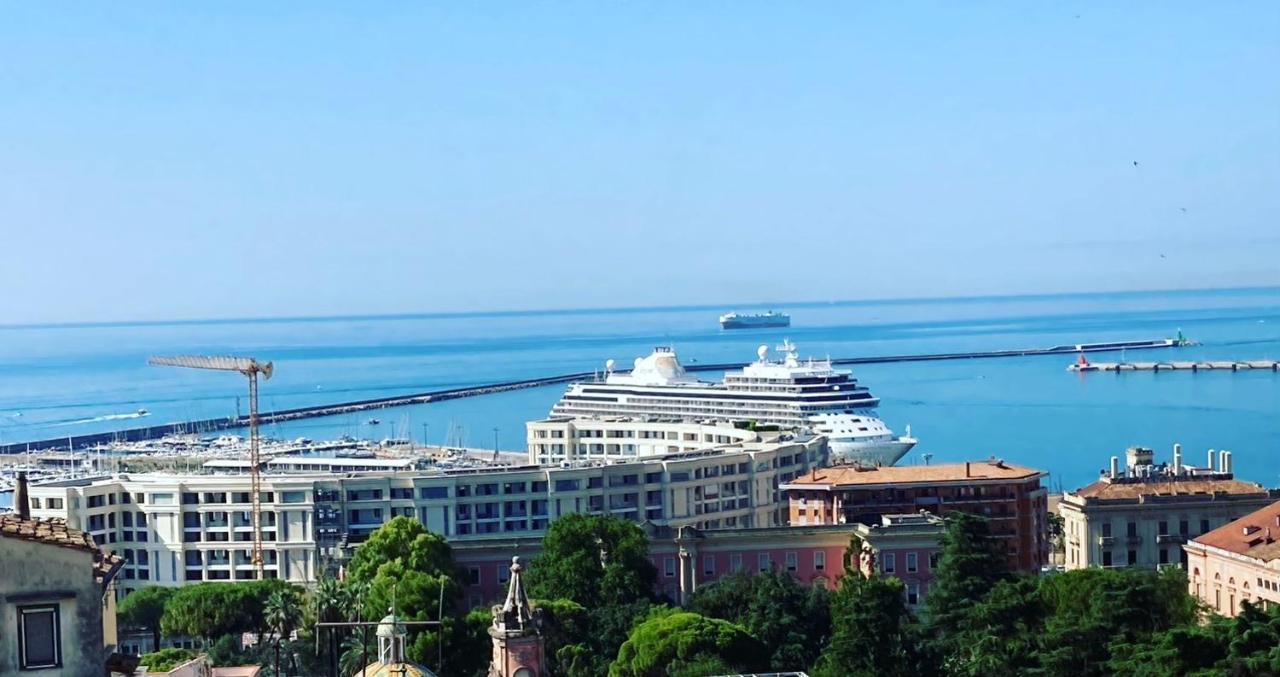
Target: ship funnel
1115,467
1177,459
1212,455
1227,462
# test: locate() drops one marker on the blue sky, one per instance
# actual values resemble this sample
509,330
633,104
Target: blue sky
189,160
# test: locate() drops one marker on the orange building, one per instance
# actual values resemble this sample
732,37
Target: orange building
1237,562
1010,496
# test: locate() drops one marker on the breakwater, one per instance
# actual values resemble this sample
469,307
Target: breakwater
317,411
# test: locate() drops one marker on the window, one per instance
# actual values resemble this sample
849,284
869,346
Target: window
1204,526
1106,530
54,504
1164,555
1163,529
764,562
1133,529
433,492
709,565
161,499
820,560
473,576
39,637
933,561
735,562
888,562
913,594
792,560
566,485
1133,557
1182,527
912,564
1106,558
669,567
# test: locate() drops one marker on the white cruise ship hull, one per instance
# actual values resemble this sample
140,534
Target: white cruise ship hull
883,453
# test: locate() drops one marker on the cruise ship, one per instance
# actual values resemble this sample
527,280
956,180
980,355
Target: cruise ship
754,320
789,393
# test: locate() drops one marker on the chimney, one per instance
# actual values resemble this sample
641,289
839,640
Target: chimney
20,503
1228,462
1115,466
1177,459
1211,457
1222,460
966,469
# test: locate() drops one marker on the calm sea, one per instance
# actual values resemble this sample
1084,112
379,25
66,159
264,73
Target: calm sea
75,379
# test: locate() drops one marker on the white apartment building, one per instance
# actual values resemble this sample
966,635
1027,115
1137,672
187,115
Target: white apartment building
563,439
1141,515
173,529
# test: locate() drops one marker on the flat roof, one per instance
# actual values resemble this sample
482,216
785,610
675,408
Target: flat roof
972,471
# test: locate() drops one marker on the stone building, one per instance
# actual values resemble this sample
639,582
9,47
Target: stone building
518,648
57,615
1238,562
1141,514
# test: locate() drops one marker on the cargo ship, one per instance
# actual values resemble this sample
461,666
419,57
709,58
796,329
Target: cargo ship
754,320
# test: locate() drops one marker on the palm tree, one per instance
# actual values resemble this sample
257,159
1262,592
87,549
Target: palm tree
282,614
335,602
355,648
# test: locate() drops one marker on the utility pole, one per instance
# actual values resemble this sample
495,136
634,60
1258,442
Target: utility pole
495,445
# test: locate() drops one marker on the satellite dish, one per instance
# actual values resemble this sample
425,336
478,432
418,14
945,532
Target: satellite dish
608,365
762,351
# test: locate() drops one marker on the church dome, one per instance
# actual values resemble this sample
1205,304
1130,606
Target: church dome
380,669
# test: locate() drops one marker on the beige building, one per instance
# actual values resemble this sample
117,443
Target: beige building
57,615
1141,514
173,529
1237,563
560,439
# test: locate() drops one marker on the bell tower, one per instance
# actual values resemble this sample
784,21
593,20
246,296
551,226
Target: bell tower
518,649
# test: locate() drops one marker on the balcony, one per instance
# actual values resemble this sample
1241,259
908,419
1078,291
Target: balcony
1106,541
1171,538
1133,540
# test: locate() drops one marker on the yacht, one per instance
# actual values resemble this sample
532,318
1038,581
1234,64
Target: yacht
787,393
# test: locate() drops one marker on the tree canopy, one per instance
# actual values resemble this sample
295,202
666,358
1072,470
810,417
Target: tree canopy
872,631
794,621
594,560
680,642
143,608
403,541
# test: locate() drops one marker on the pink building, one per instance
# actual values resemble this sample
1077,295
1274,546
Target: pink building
1237,562
903,546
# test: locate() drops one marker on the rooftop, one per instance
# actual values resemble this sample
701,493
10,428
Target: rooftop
1256,535
971,471
55,532
1169,487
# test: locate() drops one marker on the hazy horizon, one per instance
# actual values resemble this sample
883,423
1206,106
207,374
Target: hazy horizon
168,162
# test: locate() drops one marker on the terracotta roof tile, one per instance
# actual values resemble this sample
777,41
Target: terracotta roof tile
1181,487
915,474
55,532
1255,535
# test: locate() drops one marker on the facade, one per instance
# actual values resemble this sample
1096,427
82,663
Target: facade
174,529
686,558
57,615
554,441
1237,562
1008,495
1141,514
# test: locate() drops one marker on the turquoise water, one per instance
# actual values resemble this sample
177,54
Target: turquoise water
67,380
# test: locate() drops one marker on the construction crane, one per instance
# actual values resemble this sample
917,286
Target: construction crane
251,368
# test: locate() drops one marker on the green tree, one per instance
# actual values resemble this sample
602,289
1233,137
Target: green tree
333,602
405,541
594,560
1001,632
283,614
679,643
165,660
794,621
871,629
144,608
970,563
